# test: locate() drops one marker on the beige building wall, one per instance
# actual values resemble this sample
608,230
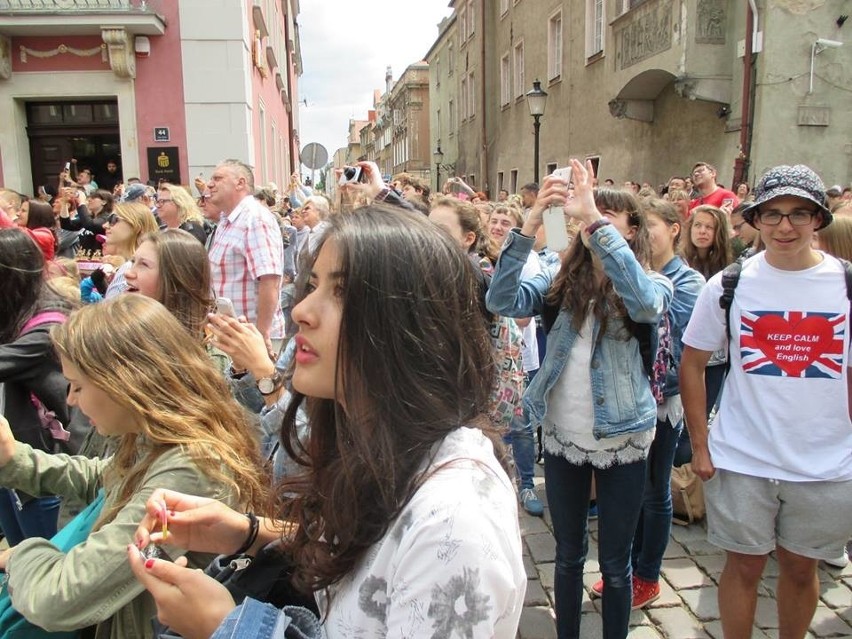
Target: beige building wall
409,104
663,91
443,100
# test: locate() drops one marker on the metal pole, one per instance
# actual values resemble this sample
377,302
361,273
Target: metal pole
437,177
537,126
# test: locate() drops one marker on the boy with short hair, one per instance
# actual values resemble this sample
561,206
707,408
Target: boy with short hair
778,460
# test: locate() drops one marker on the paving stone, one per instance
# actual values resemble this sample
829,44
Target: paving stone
829,575
542,547
644,632
674,551
836,595
532,525
712,565
826,623
768,586
684,573
535,595
771,569
639,618
676,623
529,567
703,602
766,613
714,629
546,573
701,547
537,623
668,597
774,634
591,625
683,533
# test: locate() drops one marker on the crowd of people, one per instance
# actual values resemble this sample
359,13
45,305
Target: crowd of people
340,408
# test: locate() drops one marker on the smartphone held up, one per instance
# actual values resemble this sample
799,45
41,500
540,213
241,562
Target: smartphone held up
553,218
351,174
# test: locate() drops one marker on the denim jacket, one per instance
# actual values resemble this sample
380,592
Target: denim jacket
687,284
622,397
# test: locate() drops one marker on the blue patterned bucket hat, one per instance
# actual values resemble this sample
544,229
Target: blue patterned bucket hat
798,180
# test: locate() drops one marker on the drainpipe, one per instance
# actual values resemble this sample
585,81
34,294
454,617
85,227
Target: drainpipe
741,164
483,102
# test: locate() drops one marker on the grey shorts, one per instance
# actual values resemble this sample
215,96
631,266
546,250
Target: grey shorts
751,515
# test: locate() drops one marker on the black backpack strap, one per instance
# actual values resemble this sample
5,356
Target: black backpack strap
730,279
847,271
549,313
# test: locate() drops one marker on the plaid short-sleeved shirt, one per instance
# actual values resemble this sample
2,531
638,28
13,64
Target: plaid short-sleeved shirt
247,245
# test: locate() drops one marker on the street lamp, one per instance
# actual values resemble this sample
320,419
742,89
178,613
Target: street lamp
438,156
536,100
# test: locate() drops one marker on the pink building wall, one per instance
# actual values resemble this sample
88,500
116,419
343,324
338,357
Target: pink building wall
159,93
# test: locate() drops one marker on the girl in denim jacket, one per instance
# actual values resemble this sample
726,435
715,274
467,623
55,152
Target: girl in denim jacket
591,395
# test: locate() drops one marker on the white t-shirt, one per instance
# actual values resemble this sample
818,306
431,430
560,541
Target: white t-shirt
532,267
784,411
451,563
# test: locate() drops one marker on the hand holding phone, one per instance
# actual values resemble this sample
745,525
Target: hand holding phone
350,174
555,230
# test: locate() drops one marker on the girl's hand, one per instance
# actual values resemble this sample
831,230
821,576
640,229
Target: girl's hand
553,192
194,523
188,601
585,210
7,442
4,558
372,184
243,343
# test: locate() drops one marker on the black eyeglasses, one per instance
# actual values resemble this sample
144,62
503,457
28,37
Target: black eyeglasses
800,217
113,219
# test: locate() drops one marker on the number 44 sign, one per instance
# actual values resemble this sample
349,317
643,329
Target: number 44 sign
161,134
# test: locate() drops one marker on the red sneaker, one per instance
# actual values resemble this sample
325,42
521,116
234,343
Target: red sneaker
644,592
597,589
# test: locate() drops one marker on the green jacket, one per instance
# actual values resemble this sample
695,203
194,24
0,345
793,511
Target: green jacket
93,584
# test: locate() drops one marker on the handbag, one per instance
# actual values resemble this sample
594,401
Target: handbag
265,577
687,496
13,625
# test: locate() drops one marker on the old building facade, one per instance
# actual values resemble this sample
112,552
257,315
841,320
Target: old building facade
644,88
168,88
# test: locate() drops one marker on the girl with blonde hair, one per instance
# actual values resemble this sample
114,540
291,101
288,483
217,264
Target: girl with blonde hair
124,230
132,371
178,210
836,238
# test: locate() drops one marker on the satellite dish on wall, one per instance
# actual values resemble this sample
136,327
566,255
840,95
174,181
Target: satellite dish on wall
314,156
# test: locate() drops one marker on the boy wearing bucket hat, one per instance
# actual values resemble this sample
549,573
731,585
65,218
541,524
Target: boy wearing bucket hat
777,463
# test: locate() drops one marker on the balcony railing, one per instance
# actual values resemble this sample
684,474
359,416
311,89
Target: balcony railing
89,6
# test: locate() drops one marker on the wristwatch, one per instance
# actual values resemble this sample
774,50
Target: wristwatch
268,385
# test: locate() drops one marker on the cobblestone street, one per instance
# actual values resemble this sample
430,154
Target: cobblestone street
687,607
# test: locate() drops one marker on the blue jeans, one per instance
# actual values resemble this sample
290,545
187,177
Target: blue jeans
655,520
39,517
619,496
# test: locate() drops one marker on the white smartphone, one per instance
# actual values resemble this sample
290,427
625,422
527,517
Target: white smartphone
350,174
555,229
224,306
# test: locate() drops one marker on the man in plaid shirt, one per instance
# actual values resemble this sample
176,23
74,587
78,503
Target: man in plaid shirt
247,252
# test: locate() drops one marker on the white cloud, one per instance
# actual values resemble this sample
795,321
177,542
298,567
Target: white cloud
346,47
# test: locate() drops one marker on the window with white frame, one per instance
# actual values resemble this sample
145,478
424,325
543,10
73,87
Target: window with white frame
518,59
504,7
471,18
554,46
462,22
595,24
437,64
500,186
505,81
451,117
451,58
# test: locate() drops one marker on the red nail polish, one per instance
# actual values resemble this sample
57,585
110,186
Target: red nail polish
149,563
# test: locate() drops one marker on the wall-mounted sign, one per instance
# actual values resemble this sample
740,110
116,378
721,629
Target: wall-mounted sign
161,134
164,164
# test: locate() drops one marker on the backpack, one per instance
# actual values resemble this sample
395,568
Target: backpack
49,421
731,277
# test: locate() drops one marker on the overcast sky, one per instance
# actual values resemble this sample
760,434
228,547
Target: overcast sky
346,47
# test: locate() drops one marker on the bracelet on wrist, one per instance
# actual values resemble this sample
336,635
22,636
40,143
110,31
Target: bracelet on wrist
594,226
254,528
